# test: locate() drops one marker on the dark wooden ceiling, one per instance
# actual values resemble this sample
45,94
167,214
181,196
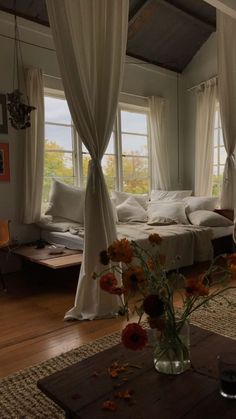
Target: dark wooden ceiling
167,33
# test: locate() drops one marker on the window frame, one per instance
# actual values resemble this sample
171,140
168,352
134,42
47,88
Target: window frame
77,153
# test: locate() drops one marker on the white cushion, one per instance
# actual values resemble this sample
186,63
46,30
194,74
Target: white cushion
208,219
168,195
66,201
195,203
131,210
120,197
166,212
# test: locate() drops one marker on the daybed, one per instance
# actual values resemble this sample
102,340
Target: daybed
191,231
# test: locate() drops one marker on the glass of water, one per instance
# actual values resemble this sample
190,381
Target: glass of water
227,374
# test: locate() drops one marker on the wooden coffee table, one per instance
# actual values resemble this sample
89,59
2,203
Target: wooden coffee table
44,257
81,389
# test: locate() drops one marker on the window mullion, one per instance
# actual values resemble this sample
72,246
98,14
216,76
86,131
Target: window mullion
119,150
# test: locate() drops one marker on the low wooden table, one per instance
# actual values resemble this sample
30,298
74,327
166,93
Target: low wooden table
82,388
65,259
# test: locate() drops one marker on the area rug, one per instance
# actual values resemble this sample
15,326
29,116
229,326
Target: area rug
20,398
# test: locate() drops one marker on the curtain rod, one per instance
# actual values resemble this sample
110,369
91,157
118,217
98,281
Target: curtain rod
202,82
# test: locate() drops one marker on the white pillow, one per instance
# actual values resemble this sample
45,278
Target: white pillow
168,195
195,203
131,210
120,197
66,201
208,219
114,210
166,212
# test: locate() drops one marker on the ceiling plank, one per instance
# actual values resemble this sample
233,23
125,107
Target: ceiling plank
141,17
182,12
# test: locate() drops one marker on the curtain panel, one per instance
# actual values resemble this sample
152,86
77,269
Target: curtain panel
160,162
206,95
33,150
90,39
226,49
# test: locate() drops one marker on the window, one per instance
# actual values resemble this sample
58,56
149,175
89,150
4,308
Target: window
126,160
60,141
219,155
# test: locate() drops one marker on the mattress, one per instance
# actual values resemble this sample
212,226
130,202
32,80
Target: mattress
71,241
222,231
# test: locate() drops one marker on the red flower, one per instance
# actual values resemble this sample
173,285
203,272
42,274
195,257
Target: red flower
134,336
108,282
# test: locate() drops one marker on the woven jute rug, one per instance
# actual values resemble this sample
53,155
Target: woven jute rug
20,398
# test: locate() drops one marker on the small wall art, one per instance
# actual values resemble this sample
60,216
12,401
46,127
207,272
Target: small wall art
3,115
4,163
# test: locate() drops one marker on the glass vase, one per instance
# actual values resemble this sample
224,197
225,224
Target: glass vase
172,349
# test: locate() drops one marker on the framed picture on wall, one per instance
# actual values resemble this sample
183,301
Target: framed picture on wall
3,115
4,163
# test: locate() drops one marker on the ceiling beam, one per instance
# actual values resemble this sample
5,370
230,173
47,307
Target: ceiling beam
225,6
24,16
188,15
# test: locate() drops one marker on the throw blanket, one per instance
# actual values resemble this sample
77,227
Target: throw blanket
182,244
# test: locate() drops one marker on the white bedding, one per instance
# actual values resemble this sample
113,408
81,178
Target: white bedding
182,244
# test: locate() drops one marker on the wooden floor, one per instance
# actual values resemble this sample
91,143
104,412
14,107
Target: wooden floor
31,318
32,329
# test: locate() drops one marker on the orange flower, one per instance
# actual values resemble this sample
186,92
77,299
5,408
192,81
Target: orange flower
121,251
133,277
195,287
155,238
108,282
134,336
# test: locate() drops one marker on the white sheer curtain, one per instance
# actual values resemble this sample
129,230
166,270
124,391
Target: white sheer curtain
160,157
33,150
90,39
206,95
226,46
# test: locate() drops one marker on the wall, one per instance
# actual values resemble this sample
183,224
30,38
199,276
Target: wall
202,67
139,79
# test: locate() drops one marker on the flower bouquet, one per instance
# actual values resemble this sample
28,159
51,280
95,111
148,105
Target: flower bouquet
138,276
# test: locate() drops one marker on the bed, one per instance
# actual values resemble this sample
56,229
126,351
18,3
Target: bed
182,244
191,230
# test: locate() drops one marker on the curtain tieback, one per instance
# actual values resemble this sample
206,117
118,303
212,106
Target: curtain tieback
94,167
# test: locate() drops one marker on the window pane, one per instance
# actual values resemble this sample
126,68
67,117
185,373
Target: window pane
223,155
58,164
215,171
216,122
221,170
134,145
221,137
215,155
56,110
60,137
85,162
216,137
133,122
135,167
111,145
136,186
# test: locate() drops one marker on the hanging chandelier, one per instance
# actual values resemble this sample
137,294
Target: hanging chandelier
18,110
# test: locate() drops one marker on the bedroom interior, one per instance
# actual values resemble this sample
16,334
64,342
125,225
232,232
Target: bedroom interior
173,81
